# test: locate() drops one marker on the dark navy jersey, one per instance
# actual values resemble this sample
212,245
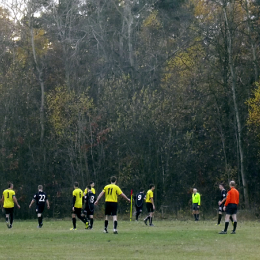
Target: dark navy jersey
90,199
40,198
223,195
139,199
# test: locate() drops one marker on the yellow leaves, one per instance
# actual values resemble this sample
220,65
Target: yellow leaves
152,21
41,42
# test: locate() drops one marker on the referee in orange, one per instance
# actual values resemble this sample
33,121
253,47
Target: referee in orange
231,207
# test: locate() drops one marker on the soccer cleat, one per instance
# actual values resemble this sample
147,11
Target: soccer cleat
145,222
115,232
87,225
233,232
7,224
223,232
105,231
10,226
151,225
217,224
73,229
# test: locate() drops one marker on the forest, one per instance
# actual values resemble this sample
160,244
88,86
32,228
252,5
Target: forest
151,91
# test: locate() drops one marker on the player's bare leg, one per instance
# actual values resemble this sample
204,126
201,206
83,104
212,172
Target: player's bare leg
234,217
73,221
7,220
91,220
39,215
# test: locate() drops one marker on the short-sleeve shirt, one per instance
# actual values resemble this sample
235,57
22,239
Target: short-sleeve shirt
139,199
223,195
90,200
149,195
78,193
8,198
92,189
111,192
40,198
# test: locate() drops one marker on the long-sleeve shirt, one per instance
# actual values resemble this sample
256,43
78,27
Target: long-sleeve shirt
232,197
196,198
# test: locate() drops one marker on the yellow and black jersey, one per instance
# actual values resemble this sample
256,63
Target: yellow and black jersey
8,198
149,195
77,198
92,189
111,192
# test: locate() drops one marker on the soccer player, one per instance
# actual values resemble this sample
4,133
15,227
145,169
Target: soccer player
111,191
150,205
231,207
92,185
139,201
77,206
195,204
8,200
89,206
41,199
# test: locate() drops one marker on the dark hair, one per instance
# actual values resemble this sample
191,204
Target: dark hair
10,185
76,184
89,187
113,179
142,190
222,184
152,185
91,182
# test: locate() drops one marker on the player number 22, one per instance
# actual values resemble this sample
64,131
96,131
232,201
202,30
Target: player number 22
42,198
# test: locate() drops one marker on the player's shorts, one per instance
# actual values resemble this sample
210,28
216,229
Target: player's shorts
9,210
111,208
195,206
221,208
76,211
88,212
149,207
231,209
40,209
139,209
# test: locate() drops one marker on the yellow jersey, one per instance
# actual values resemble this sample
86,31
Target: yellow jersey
111,192
78,193
92,189
8,198
149,195
196,198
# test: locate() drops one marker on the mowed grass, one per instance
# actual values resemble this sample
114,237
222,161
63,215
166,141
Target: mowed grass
167,240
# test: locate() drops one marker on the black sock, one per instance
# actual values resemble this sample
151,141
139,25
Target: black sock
39,221
137,215
91,222
115,224
11,219
106,224
219,218
74,222
195,216
6,219
151,220
198,216
235,226
226,226
231,219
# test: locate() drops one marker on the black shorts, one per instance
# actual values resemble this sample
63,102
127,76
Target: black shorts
111,208
149,207
138,209
9,210
88,212
39,209
195,206
221,208
76,211
231,209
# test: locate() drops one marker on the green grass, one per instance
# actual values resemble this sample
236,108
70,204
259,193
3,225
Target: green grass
167,240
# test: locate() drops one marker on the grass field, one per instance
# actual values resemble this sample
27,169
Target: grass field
167,240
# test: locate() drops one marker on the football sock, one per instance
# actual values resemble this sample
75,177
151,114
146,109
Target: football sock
195,216
226,226
39,221
137,215
106,223
151,220
74,222
231,219
91,222
6,219
198,216
11,219
235,226
219,218
115,224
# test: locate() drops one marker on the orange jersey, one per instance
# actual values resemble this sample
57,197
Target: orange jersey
232,197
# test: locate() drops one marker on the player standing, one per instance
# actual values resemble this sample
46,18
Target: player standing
89,205
8,200
231,207
139,201
111,191
195,204
150,205
77,206
92,185
41,199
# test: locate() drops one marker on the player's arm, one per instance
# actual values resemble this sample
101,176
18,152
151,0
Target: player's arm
99,197
48,204
16,202
222,201
199,201
124,196
31,203
153,203
73,202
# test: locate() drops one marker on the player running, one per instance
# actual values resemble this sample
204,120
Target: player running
8,200
111,191
77,206
195,204
41,199
231,207
150,205
89,206
139,202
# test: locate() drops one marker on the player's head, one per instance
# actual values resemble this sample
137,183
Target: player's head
142,190
40,187
152,186
10,185
113,179
89,188
76,185
221,186
92,184
195,190
232,184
